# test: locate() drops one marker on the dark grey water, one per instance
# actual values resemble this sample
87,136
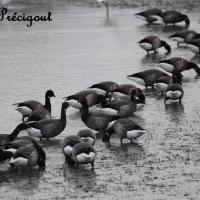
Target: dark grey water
78,48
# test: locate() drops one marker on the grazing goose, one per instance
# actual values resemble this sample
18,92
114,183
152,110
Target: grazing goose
178,64
29,156
127,89
68,145
83,153
152,43
49,128
26,107
97,121
6,138
147,77
124,128
19,142
194,46
123,107
184,36
149,14
92,97
87,135
5,156
162,83
104,87
174,92
173,17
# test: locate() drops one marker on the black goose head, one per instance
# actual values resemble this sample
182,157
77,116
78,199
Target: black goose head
140,95
65,105
50,93
83,101
106,137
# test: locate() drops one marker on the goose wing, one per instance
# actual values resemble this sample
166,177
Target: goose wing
30,104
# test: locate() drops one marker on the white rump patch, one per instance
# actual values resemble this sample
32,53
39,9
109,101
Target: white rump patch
74,104
109,111
110,124
85,158
146,46
178,39
118,95
174,95
34,132
19,162
68,150
160,87
137,80
133,134
167,67
12,150
193,48
24,110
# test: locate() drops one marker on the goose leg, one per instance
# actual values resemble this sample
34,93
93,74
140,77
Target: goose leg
76,165
92,164
121,140
23,117
131,140
179,100
165,100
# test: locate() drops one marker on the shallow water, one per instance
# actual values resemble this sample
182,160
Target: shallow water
78,48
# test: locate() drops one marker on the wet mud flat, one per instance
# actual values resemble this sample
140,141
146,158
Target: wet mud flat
78,48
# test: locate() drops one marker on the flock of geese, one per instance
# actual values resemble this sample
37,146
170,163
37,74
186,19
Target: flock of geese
113,103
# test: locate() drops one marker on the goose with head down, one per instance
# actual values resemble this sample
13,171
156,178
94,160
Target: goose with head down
6,138
97,121
162,83
19,142
29,155
122,107
175,90
49,128
183,37
149,14
26,107
83,153
68,145
126,89
104,87
91,96
125,129
147,77
177,64
173,17
152,43
87,135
